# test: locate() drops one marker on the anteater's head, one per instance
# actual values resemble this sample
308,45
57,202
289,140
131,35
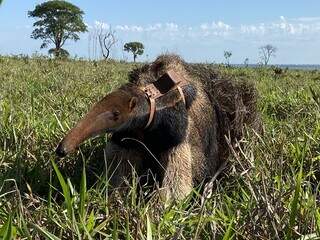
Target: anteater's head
127,108
114,112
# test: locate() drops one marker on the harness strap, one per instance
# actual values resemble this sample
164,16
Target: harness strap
181,94
153,91
151,112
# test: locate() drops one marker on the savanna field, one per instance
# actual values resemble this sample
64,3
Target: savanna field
269,189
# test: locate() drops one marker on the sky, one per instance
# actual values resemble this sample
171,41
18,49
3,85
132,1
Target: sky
199,31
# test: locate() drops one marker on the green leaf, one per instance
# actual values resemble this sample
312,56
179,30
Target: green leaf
45,233
228,234
24,227
149,229
6,231
83,191
91,222
50,194
294,204
128,236
115,227
317,218
65,189
99,227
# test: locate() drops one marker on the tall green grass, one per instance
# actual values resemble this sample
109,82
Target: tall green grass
269,190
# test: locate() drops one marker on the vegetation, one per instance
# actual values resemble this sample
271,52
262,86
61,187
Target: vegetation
269,189
136,48
58,21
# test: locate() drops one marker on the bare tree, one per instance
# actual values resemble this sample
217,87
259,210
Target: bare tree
266,52
106,40
101,40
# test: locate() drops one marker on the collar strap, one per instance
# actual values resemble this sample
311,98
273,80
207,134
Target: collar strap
166,83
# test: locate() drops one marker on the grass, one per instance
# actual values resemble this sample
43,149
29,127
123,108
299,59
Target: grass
270,189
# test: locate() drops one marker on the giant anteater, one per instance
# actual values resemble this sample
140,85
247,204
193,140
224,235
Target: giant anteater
181,112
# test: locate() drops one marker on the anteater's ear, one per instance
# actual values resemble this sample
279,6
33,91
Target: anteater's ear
132,103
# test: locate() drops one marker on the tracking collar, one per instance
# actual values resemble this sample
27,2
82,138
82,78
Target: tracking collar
166,83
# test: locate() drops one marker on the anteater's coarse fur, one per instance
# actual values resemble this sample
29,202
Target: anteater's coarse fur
188,139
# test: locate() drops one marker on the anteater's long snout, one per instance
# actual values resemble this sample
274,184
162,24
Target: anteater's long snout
105,116
93,124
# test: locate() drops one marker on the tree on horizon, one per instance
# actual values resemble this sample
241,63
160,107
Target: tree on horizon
136,48
227,55
266,52
58,21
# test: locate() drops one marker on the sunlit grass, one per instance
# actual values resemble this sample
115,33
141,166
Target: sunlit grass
269,190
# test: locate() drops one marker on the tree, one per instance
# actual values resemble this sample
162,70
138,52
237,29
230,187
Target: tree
101,39
266,52
227,55
58,21
136,48
246,62
107,40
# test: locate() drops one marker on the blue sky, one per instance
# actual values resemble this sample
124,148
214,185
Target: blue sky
197,30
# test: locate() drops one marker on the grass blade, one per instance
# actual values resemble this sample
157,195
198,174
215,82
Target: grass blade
115,227
83,191
228,234
294,204
91,222
65,189
6,231
149,229
45,233
317,218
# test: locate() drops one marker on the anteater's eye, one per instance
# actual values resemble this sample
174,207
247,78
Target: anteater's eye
116,114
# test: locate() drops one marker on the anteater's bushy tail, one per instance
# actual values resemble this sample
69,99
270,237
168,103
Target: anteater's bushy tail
234,100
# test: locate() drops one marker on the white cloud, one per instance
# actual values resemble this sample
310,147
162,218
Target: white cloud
130,28
281,29
216,26
214,29
172,27
166,27
293,27
153,27
286,26
306,19
101,25
248,29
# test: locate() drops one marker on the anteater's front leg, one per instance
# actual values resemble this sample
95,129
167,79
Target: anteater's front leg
177,181
121,163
